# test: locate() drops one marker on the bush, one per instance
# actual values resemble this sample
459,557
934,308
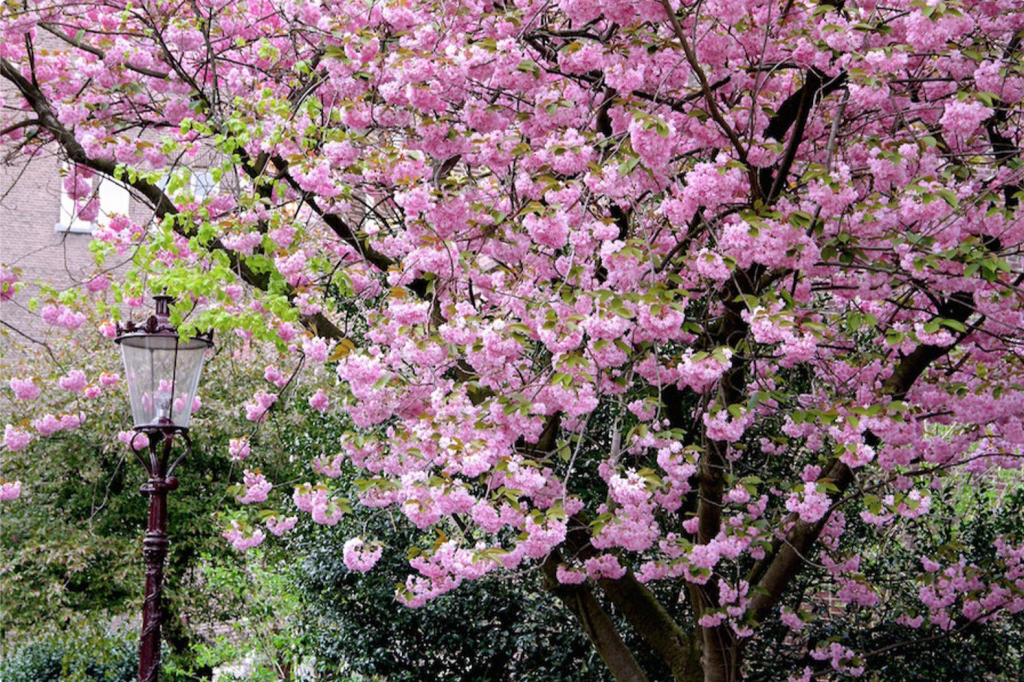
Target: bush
495,630
79,657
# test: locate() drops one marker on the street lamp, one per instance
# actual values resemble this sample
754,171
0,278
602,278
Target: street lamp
162,372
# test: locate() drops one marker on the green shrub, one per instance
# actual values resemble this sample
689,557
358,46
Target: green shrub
78,657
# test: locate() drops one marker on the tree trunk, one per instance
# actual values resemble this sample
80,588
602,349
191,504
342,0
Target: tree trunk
677,648
595,622
722,655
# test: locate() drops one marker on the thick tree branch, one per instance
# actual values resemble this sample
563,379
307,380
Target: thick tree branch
794,113
679,650
93,50
789,557
595,622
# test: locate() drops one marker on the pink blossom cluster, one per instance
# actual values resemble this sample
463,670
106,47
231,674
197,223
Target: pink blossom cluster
74,381
238,449
258,407
15,438
319,401
359,556
49,424
134,439
442,570
841,658
25,389
255,488
8,283
10,491
809,503
279,526
323,509
62,316
633,526
241,539
275,376
725,427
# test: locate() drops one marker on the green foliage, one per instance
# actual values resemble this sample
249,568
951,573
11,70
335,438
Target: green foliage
493,629
72,543
81,656
265,635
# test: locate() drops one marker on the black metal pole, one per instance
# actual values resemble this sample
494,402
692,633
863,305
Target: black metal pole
154,552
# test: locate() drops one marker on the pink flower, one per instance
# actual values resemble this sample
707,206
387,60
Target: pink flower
856,456
281,526
327,514
256,488
238,449
359,557
46,425
652,141
568,576
810,506
709,264
69,422
108,379
242,541
62,316
722,427
282,236
107,329
287,332
791,620
99,283
134,439
25,389
319,401
291,265
315,349
73,381
605,566
90,211
8,280
550,231
16,439
256,409
10,491
275,376
964,118
244,244
324,510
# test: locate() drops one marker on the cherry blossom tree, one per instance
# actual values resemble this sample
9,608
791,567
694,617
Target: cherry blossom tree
633,294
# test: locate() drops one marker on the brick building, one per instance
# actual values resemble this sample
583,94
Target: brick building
41,236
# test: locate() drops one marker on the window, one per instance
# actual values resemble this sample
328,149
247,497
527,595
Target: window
113,198
200,185
203,184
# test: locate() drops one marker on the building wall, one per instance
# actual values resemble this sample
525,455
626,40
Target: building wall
34,238
30,191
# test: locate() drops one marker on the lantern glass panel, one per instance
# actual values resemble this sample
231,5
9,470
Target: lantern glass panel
163,377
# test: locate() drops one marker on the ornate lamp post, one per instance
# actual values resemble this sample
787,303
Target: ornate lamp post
162,373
